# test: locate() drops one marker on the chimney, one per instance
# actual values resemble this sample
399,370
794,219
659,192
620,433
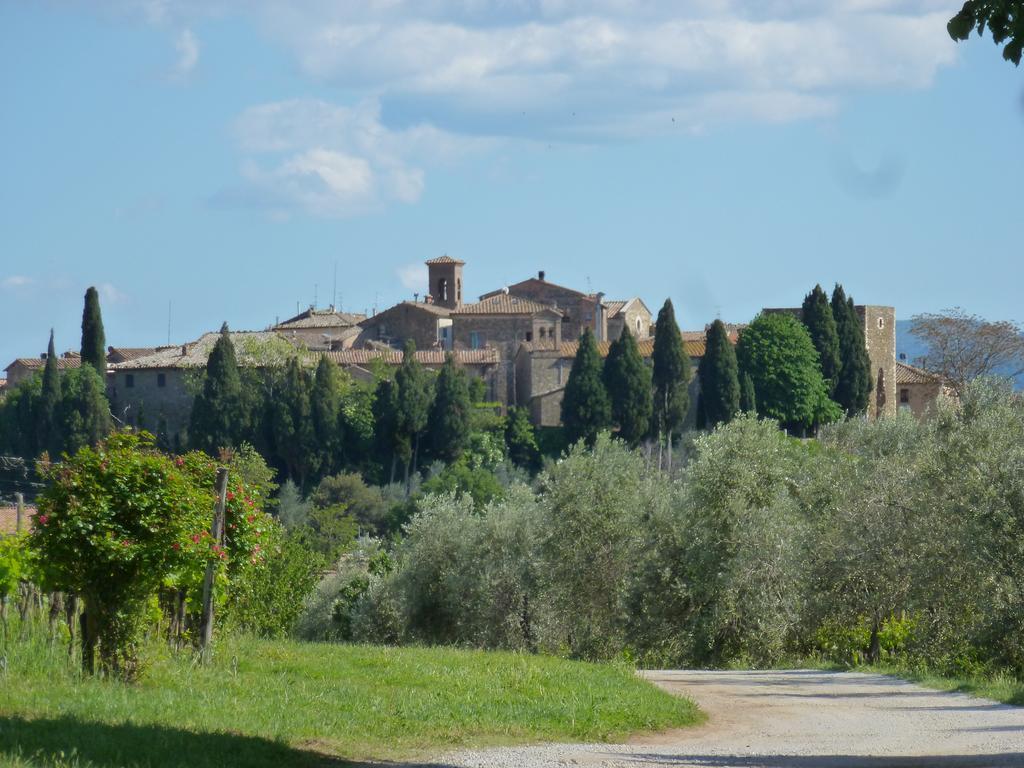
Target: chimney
416,298
540,275
184,350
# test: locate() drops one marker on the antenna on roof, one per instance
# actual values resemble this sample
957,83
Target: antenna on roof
334,288
315,286
168,322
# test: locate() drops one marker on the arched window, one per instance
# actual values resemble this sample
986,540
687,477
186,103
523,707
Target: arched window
638,326
442,289
458,290
881,323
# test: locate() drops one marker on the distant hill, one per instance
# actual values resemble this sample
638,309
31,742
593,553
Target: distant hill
907,344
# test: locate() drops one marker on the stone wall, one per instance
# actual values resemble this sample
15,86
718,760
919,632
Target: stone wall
402,321
880,337
148,398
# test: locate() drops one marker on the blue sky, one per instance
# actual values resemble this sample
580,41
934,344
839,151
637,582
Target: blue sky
225,157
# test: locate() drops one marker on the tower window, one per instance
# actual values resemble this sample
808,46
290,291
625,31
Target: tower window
442,289
161,379
881,322
904,395
129,380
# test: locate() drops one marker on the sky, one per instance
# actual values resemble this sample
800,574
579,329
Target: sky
202,162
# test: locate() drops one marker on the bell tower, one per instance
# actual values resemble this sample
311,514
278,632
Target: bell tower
445,281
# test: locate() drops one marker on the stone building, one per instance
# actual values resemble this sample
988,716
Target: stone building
632,314
542,370
579,310
426,323
917,390
25,367
321,328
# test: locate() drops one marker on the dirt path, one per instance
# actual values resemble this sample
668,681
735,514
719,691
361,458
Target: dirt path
801,719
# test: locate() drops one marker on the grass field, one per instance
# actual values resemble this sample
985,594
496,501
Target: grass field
282,703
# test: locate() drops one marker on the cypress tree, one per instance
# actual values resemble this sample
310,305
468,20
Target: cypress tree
748,399
853,387
818,317
521,439
448,423
718,374
48,419
85,412
218,415
292,423
389,441
628,381
671,376
585,406
94,344
414,397
326,405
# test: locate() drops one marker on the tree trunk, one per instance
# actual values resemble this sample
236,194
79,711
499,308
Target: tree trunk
875,645
668,450
56,609
71,616
89,628
394,463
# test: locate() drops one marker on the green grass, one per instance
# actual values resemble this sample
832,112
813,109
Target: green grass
283,703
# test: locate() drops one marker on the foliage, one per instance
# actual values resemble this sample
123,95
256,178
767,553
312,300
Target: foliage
85,411
816,314
48,417
854,384
1004,18
94,344
776,351
14,563
328,428
365,504
671,373
628,381
521,439
415,394
292,426
719,377
748,398
585,407
449,420
292,510
219,417
460,479
391,443
963,347
19,411
111,526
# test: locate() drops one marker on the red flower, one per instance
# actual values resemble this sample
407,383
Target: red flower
175,546
250,518
179,462
125,543
195,538
42,519
231,496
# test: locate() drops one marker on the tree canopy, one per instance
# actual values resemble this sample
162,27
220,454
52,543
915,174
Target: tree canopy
94,344
448,423
853,386
718,374
821,324
776,351
671,373
628,381
218,415
1004,18
585,407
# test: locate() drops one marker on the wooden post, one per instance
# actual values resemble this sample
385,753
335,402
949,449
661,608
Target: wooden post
19,502
206,625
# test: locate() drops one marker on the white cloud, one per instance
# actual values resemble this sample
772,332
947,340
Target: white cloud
16,281
187,46
334,161
110,294
413,277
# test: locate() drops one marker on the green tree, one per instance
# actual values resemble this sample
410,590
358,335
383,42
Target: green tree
628,382
85,411
414,397
521,439
391,443
1004,18
449,421
327,425
48,419
853,387
94,344
292,423
219,417
671,377
748,398
585,407
718,374
821,324
776,351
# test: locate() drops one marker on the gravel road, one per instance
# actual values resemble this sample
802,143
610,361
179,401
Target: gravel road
799,719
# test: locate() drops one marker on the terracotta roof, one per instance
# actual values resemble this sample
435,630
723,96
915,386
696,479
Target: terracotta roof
9,519
121,354
434,309
320,318
531,281
195,353
424,356
37,363
909,374
446,259
614,307
646,347
503,304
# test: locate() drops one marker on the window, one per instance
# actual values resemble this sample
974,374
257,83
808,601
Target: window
881,323
529,335
904,395
458,290
129,380
543,332
639,324
476,340
161,379
442,289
